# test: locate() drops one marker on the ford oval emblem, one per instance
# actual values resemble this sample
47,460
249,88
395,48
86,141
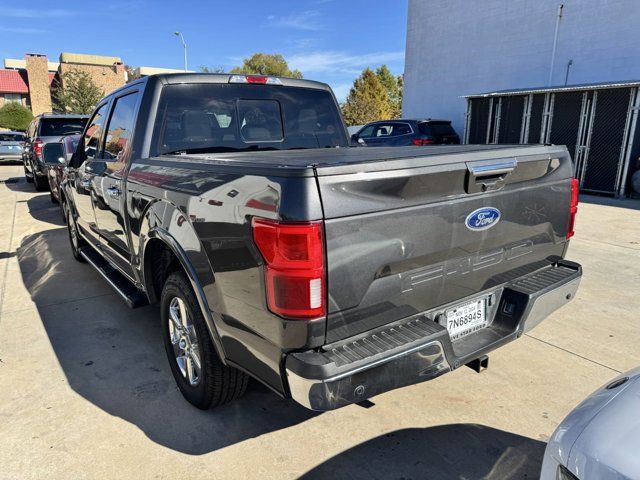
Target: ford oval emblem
482,218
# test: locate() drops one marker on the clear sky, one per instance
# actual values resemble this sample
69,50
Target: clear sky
328,40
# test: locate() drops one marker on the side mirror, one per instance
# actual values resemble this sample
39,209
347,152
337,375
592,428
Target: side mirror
357,141
61,160
52,153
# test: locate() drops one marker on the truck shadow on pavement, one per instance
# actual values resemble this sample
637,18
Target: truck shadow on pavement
444,452
39,205
114,357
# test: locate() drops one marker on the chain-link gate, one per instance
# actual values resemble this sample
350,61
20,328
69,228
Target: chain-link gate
565,120
511,115
606,146
535,118
598,124
478,119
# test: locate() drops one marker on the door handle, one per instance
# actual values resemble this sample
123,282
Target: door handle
497,169
113,192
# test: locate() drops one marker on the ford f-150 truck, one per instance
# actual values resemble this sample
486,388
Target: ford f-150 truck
276,251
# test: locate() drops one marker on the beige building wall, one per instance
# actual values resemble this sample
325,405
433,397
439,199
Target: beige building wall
38,77
107,78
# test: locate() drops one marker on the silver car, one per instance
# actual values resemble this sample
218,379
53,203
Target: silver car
11,146
600,438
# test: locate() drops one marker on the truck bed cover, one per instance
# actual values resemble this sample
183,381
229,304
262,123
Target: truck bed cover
333,161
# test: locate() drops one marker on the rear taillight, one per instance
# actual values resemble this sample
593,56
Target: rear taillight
422,141
573,206
294,267
37,147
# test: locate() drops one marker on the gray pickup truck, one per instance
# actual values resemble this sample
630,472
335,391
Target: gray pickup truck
329,273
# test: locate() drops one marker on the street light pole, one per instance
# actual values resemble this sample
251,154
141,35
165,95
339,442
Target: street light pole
184,45
566,76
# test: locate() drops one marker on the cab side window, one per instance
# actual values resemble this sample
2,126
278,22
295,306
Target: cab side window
366,132
401,129
120,128
93,133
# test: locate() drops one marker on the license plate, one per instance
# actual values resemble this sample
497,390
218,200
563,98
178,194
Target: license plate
466,318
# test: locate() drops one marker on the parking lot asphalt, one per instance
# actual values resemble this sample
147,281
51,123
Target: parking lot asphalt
86,391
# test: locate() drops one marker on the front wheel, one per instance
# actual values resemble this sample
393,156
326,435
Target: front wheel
76,241
203,380
63,210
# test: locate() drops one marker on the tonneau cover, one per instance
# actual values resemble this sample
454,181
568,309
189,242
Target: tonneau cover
332,161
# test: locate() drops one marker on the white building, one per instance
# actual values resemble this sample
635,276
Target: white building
462,47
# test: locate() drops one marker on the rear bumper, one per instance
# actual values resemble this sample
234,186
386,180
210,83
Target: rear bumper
419,349
10,157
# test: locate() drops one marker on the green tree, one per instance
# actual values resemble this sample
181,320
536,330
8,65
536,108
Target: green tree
133,73
15,117
394,85
368,100
206,69
76,93
267,64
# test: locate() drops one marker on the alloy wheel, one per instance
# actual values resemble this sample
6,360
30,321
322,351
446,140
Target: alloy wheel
184,341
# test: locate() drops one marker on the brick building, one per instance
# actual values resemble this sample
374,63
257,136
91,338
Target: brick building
30,81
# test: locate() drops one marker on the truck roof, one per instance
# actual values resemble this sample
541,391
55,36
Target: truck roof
333,161
187,77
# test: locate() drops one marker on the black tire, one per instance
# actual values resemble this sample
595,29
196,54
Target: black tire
63,210
79,242
52,197
217,383
28,179
40,183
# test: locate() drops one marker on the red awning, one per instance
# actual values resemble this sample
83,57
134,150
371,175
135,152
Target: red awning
13,81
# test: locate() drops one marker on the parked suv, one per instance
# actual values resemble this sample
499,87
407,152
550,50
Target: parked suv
11,146
402,133
46,128
56,156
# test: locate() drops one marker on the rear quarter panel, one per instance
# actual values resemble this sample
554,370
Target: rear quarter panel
207,209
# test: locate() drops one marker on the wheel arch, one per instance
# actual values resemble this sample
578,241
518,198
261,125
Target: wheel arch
157,236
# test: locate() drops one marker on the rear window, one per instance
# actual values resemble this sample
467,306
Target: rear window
56,127
11,137
196,118
436,128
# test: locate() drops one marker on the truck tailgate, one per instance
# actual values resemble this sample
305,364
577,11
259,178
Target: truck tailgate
403,238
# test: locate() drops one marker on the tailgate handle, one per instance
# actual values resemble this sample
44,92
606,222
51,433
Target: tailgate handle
483,178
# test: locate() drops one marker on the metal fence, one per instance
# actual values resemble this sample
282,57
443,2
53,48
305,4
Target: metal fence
598,124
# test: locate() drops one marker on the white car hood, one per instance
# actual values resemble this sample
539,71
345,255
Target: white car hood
609,445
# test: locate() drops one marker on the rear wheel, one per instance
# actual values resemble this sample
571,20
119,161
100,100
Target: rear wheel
40,183
52,197
77,242
203,380
27,178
